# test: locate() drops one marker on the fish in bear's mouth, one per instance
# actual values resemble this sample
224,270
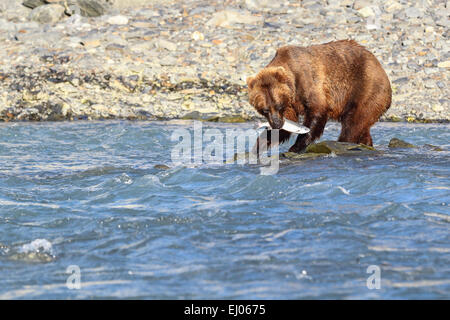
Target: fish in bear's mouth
288,125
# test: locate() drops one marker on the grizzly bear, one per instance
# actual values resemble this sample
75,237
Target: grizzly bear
339,80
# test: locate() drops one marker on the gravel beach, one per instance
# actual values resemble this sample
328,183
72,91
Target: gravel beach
99,59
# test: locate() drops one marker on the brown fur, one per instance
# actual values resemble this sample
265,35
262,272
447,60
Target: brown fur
338,80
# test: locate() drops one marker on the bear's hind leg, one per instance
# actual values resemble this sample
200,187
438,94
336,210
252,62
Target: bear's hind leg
356,127
367,110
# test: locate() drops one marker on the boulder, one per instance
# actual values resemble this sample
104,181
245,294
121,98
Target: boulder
397,143
338,148
331,147
320,149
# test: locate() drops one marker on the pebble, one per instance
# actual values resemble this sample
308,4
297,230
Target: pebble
227,18
119,20
164,44
366,12
360,4
444,64
413,12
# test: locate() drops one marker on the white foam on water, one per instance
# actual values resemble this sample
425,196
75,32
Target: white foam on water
38,245
303,275
124,178
344,191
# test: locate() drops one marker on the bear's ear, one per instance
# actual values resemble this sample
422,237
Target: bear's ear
250,82
280,74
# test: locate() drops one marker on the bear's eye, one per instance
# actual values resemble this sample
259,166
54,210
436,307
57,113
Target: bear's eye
264,112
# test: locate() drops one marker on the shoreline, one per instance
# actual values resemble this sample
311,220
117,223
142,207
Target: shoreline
190,59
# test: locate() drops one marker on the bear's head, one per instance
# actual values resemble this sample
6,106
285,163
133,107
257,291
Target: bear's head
270,92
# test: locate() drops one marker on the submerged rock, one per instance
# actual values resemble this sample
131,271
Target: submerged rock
433,147
302,156
32,257
230,119
38,251
397,143
161,167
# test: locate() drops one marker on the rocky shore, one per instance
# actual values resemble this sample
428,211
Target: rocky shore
144,59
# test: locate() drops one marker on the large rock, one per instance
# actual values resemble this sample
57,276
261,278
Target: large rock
397,143
320,149
331,147
49,13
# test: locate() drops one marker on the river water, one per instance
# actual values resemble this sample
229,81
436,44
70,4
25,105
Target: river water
82,203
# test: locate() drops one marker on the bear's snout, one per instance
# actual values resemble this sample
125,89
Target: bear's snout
276,121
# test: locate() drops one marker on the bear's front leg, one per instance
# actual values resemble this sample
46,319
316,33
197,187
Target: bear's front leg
265,140
316,126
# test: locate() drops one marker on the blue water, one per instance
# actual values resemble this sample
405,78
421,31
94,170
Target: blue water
87,194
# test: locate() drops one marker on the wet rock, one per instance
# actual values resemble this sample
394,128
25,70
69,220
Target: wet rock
231,119
339,148
38,251
161,167
49,13
3,249
326,148
301,156
397,143
432,147
317,150
32,257
202,116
